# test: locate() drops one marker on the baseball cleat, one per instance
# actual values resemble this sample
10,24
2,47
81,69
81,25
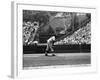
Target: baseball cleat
46,54
53,55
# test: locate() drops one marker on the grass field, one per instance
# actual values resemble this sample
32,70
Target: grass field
39,60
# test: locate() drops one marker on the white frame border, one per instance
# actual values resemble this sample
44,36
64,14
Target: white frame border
17,71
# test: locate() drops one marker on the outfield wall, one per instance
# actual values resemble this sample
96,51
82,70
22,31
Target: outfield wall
75,48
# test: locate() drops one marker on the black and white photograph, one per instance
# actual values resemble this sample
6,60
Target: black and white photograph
56,38
53,39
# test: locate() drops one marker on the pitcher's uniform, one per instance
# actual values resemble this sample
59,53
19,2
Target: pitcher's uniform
49,47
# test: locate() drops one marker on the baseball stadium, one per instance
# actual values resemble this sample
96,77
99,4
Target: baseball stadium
53,38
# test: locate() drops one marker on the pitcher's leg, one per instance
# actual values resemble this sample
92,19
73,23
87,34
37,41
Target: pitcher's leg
47,50
52,50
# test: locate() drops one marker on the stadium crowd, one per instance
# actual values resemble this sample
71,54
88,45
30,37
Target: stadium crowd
81,36
60,22
28,32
